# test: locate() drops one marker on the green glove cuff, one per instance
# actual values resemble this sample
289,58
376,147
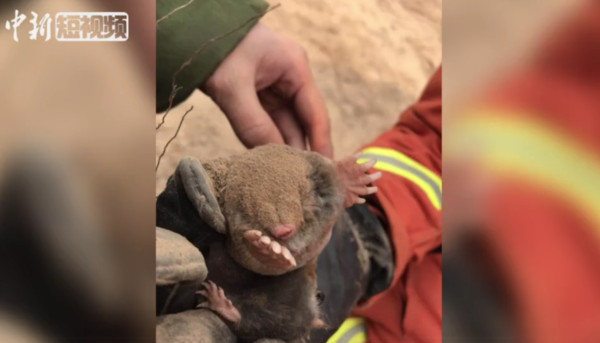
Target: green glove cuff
183,29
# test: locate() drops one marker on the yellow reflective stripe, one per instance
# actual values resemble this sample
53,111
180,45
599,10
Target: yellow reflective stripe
523,147
394,162
360,337
380,165
353,330
403,158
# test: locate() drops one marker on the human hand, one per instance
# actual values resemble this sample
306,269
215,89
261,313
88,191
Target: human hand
266,90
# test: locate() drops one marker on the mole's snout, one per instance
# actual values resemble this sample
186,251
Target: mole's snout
284,231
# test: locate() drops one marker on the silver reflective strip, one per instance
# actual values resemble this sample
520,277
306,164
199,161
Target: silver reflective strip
347,337
410,169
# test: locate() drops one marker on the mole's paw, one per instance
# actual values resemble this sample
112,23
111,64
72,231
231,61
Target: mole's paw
218,302
269,251
355,179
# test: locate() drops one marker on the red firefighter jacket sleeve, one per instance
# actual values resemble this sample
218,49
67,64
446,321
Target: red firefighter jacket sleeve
410,158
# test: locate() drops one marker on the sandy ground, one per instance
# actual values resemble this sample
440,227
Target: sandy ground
370,60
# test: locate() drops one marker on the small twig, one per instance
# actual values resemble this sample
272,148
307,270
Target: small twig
201,48
164,117
164,151
177,9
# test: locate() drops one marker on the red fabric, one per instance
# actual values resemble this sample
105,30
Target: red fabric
411,309
550,254
551,260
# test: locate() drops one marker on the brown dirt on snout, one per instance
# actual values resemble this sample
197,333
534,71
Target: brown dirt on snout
268,184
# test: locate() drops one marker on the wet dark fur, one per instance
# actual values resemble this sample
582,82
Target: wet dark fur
280,306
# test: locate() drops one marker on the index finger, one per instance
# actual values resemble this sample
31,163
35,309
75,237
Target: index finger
250,122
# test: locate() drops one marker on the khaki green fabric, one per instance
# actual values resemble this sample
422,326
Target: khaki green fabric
183,26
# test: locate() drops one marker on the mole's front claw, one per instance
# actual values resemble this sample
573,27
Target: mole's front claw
218,302
269,251
355,179
252,235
